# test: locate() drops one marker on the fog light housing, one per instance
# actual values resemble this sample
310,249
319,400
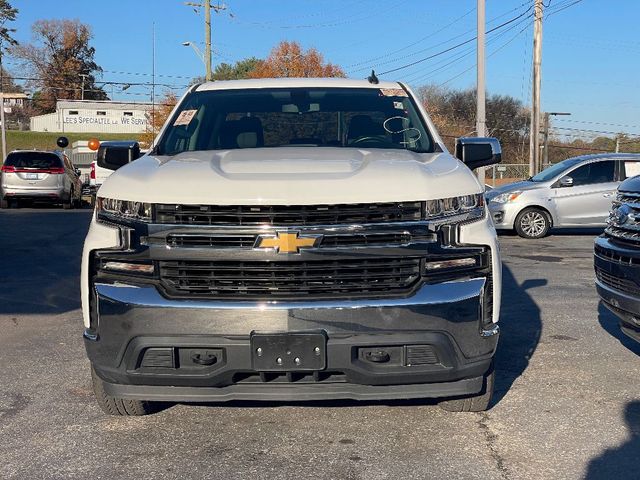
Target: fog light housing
446,264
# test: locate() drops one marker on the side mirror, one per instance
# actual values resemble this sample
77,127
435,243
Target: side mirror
477,152
565,182
113,155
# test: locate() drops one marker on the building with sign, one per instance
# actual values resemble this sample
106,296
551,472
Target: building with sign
93,116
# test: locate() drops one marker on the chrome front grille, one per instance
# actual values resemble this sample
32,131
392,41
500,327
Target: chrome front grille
624,219
288,215
351,278
328,240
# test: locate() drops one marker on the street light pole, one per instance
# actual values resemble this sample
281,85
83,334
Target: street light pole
207,32
196,50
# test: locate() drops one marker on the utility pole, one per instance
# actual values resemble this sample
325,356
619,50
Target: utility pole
207,40
83,75
4,128
545,151
534,134
207,32
481,122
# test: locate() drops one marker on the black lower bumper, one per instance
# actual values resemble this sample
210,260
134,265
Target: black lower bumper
430,345
618,283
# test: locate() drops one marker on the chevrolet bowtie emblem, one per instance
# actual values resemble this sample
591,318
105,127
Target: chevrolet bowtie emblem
285,242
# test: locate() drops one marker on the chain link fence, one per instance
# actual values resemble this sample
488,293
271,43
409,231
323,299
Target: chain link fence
506,173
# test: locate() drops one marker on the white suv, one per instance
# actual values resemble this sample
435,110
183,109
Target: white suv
294,239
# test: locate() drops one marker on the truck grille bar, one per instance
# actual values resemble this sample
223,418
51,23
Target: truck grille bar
288,215
290,279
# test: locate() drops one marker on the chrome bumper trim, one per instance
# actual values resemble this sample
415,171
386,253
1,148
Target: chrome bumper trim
148,296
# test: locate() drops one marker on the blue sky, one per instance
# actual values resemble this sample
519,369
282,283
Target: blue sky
590,49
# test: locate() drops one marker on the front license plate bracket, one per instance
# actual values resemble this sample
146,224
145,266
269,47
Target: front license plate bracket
288,352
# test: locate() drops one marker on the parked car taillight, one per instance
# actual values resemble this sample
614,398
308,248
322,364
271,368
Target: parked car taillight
8,169
92,175
56,170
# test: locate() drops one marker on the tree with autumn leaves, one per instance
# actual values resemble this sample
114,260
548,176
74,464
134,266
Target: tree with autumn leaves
157,116
57,60
288,59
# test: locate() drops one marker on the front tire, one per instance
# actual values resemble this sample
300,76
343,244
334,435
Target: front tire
532,223
476,403
119,406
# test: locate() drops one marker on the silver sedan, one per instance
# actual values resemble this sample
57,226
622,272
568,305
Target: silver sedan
576,192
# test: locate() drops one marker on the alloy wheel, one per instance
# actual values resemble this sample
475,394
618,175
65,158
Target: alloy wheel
533,223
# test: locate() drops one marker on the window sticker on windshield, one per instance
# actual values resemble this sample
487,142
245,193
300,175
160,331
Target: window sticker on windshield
398,105
185,117
393,92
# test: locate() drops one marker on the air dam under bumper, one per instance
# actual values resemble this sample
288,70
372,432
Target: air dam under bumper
143,345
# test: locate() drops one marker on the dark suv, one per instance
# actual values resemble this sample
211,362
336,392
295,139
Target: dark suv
617,258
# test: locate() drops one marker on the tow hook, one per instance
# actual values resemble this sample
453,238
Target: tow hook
378,356
204,358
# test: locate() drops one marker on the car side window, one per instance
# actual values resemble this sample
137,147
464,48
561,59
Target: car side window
598,172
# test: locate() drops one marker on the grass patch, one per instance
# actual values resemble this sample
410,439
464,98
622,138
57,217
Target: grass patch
23,140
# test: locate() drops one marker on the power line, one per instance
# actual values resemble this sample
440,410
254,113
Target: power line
411,64
489,56
387,55
466,53
368,62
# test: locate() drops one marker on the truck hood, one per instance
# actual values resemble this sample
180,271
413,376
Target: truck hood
291,175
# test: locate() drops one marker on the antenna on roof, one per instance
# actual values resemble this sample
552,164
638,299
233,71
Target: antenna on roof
372,78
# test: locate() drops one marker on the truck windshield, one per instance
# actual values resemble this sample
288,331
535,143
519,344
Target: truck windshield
555,170
296,117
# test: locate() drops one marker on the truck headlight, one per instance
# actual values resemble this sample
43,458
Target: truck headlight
506,197
126,209
471,206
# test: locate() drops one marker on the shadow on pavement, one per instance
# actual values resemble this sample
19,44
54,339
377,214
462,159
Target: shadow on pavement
578,231
560,232
40,255
620,462
610,323
521,327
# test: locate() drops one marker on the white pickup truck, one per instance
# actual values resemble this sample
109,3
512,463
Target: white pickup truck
294,239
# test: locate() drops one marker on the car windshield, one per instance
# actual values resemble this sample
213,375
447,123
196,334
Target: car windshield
40,160
555,170
296,117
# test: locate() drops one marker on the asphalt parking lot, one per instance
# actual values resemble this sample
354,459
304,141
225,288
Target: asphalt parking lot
567,403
